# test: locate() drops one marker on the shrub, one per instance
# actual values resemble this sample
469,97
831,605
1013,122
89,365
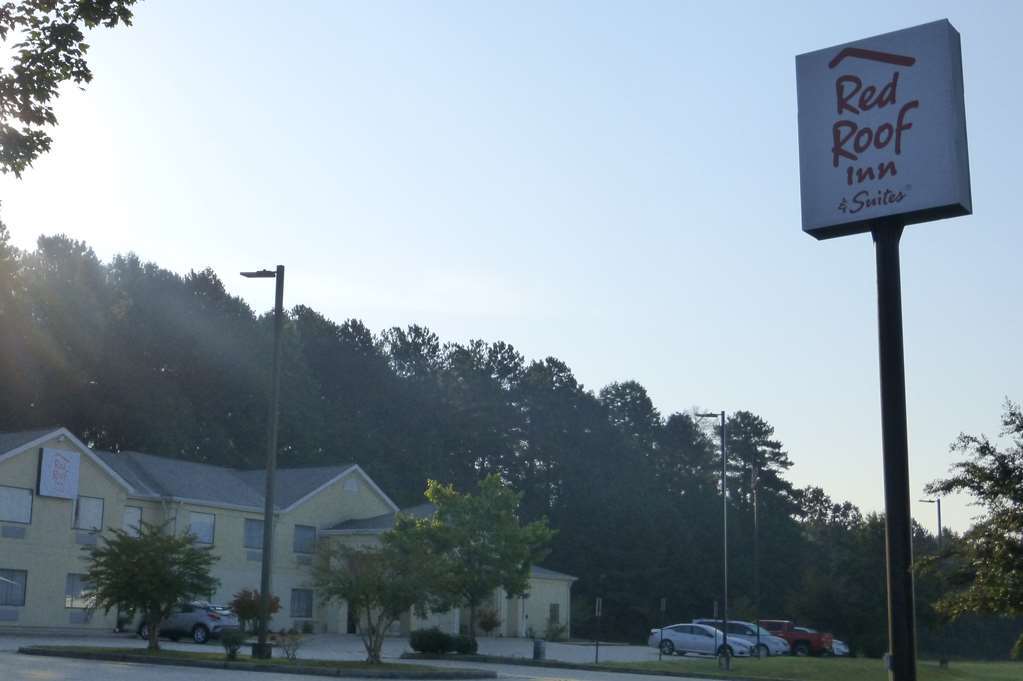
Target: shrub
431,640
555,631
307,627
464,645
246,605
233,640
488,620
290,641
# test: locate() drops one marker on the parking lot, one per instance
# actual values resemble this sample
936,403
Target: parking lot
331,647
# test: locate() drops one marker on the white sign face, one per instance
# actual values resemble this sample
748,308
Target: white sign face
58,473
882,131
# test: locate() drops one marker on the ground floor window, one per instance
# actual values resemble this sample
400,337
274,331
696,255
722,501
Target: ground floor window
301,602
12,587
555,614
77,592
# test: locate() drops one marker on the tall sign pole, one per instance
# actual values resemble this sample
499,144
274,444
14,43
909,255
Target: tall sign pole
882,145
895,447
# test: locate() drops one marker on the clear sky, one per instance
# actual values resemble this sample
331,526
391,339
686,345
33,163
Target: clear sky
614,184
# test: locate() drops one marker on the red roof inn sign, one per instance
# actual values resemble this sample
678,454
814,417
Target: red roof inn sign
882,131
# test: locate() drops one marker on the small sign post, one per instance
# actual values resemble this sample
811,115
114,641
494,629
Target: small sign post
597,608
882,145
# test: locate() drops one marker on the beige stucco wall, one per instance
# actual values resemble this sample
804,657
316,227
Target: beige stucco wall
50,549
542,594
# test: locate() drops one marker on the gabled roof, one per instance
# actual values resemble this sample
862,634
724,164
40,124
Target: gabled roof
381,523
11,441
18,442
291,485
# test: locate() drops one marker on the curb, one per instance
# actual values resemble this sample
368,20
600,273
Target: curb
279,669
555,664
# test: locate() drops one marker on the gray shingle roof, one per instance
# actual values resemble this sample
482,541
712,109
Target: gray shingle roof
10,441
544,573
386,521
159,476
291,484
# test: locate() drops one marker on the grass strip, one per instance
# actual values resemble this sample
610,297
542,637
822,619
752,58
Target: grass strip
769,669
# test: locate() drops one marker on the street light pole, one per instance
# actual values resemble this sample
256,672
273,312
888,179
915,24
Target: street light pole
943,657
725,658
262,649
755,484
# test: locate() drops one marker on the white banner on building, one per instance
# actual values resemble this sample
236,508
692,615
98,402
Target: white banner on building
58,473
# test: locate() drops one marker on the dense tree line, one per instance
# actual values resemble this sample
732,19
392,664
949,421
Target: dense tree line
133,357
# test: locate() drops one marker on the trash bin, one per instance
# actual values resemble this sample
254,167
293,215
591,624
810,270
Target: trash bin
539,649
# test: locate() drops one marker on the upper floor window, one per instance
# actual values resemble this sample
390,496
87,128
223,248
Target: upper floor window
351,484
202,525
12,587
89,514
131,523
305,539
15,505
254,534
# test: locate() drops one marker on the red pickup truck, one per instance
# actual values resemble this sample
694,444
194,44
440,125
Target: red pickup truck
803,640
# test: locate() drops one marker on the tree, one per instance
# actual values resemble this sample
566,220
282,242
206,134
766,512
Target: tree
150,573
380,583
987,565
483,542
52,51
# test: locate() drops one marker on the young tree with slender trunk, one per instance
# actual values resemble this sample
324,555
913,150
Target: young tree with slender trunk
150,573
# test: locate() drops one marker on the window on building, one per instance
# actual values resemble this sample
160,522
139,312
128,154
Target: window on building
77,592
202,525
351,484
15,505
305,539
301,602
555,614
89,514
254,534
131,523
12,587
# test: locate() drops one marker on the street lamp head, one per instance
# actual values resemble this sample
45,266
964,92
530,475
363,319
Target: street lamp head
260,274
928,501
707,416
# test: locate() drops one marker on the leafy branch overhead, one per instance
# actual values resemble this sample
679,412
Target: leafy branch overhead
50,51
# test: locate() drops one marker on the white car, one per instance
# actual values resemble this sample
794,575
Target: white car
839,648
681,639
747,631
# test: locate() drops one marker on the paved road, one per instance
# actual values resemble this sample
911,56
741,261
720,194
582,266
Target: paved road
14,667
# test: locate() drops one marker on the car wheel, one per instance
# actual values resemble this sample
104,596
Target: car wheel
801,649
763,650
143,631
667,647
200,634
725,650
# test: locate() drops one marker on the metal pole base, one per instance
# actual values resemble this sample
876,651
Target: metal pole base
262,651
725,662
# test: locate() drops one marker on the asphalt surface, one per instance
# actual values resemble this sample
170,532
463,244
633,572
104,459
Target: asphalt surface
15,667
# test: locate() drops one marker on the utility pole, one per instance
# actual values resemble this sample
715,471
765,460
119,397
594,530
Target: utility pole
262,650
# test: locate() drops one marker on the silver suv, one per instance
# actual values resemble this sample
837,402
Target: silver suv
198,620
